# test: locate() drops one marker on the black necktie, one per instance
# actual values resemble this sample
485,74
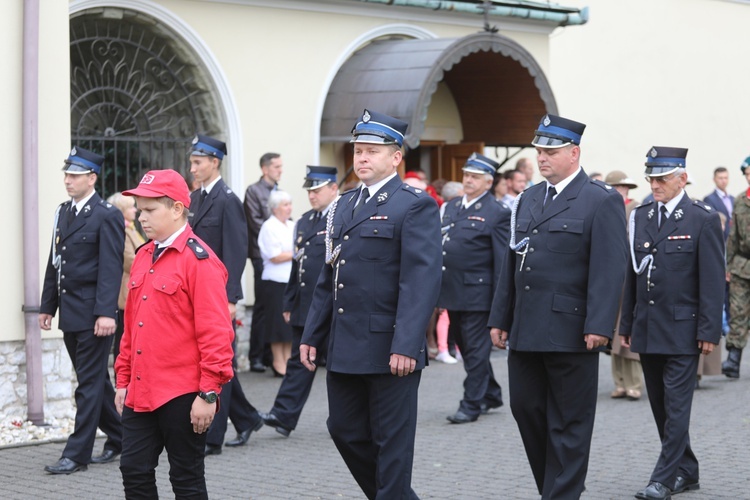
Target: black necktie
157,252
317,218
204,195
551,192
361,202
663,217
71,214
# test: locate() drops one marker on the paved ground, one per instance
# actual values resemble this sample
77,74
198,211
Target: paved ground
482,460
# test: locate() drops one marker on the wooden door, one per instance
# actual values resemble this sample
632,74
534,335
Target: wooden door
453,158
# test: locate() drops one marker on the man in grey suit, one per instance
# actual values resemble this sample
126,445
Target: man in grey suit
556,305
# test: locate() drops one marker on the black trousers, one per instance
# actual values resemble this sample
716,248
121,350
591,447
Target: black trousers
473,339
670,381
147,434
295,388
553,400
259,348
373,420
94,395
232,404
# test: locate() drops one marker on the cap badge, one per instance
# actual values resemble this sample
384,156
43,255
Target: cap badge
147,179
307,170
473,156
546,121
651,214
195,140
73,151
382,197
678,214
366,117
654,153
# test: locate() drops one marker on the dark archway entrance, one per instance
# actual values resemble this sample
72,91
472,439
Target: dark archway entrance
137,95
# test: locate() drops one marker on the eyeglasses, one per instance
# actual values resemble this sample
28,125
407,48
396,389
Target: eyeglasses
660,180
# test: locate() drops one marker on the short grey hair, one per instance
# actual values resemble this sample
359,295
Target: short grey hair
451,190
278,197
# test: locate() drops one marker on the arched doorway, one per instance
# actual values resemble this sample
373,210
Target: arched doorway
485,87
138,96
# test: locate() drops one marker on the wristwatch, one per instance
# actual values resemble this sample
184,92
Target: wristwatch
209,397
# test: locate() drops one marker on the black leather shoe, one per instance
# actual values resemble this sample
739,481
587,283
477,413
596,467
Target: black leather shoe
272,420
731,367
685,484
461,418
654,491
212,450
485,408
257,366
242,437
106,457
65,466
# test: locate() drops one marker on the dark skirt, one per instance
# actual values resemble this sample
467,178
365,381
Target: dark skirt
277,330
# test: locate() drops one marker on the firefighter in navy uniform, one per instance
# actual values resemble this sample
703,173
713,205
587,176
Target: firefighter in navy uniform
671,310
556,306
475,241
82,282
309,259
217,217
371,305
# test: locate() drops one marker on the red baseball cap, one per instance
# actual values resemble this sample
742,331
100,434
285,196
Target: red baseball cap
158,183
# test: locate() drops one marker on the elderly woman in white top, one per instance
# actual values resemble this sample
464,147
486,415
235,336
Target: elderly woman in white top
275,240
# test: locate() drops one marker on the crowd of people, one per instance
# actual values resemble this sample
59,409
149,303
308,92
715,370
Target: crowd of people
372,282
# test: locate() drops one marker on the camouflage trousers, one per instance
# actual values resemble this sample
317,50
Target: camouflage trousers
739,311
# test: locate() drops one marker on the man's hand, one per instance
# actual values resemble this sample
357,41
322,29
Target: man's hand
307,355
593,341
706,347
287,315
499,337
625,341
402,365
104,326
45,321
201,415
120,399
232,310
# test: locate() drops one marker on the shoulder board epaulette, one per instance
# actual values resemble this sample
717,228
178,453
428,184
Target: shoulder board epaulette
702,205
141,246
412,190
644,204
197,248
602,185
350,191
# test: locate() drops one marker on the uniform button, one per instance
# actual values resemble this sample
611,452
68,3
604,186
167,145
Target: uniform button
342,262
374,231
527,288
346,237
307,243
531,250
481,280
132,283
443,268
653,251
65,262
679,247
145,297
62,277
447,238
651,302
341,285
453,224
535,231
151,271
575,309
64,291
694,315
565,226
138,351
64,247
301,271
473,225
528,269
137,377
444,253
302,285
84,238
341,310
140,323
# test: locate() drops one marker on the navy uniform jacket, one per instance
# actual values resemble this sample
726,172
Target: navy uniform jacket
715,202
90,252
220,223
310,256
571,280
378,297
685,300
475,241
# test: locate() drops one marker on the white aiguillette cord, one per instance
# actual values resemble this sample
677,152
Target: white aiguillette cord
648,260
